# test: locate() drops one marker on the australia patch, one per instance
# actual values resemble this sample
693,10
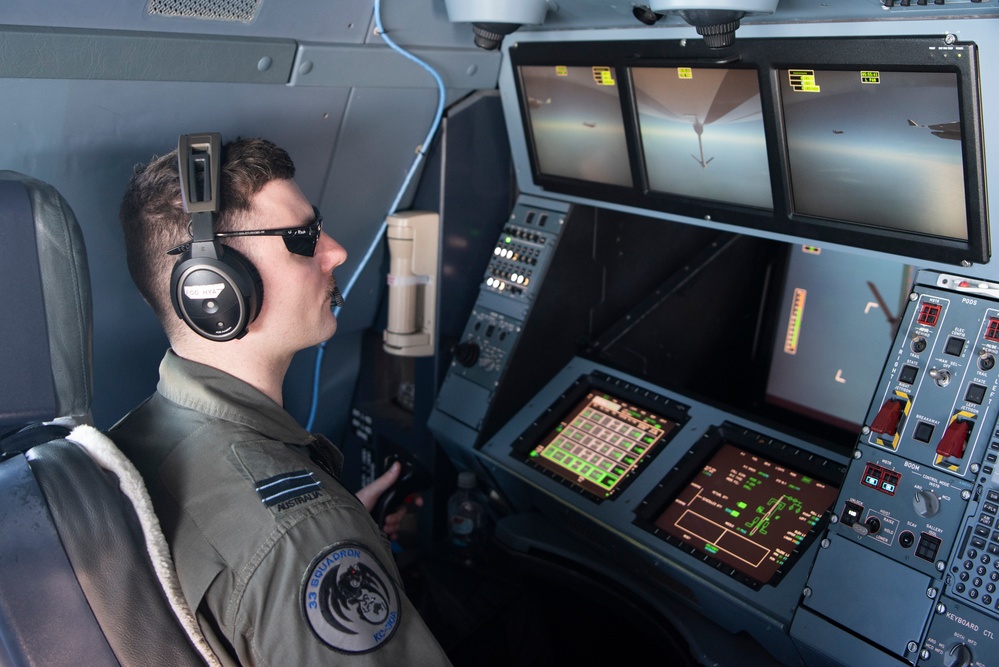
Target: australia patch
349,599
288,490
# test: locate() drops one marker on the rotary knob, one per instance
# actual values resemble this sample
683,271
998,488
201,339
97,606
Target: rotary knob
926,503
959,655
466,354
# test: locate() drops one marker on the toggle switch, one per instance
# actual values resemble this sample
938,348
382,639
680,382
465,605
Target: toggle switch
954,439
941,376
886,421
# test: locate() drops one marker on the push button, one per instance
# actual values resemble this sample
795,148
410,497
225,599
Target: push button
976,393
908,374
923,432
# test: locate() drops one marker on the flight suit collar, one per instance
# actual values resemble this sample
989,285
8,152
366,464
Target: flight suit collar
218,394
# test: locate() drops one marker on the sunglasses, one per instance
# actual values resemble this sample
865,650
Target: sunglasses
298,240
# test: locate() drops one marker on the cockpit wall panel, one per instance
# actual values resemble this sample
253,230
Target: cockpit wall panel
87,97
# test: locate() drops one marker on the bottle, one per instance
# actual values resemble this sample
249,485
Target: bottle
466,522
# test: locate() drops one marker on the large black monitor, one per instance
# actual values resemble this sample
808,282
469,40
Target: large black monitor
835,322
873,143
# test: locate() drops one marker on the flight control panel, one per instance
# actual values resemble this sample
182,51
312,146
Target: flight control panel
916,517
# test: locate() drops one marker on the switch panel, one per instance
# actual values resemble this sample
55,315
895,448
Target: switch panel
907,511
936,401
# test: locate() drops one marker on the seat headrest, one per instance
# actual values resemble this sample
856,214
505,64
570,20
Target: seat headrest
46,330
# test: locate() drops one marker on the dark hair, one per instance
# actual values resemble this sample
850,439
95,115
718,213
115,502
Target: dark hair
153,218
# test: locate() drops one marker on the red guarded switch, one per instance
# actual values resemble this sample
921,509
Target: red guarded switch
886,421
954,438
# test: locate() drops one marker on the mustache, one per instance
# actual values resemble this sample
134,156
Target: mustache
333,293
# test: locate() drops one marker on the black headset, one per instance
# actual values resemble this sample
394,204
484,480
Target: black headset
215,289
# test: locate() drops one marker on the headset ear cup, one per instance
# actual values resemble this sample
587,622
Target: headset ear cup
217,298
254,294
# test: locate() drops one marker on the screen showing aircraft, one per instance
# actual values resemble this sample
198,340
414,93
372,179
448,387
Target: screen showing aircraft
576,123
877,148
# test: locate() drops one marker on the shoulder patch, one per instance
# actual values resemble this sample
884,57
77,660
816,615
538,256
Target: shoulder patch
287,490
349,600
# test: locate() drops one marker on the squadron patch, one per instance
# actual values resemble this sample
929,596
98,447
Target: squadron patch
349,599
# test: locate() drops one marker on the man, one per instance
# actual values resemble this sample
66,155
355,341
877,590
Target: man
281,564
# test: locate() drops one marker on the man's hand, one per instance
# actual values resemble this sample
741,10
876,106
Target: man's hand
370,494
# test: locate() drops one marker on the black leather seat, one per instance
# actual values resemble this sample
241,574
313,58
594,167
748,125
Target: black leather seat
77,583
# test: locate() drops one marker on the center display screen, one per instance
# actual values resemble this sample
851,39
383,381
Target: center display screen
702,133
742,509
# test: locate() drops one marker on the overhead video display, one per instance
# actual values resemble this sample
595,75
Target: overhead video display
702,133
576,123
880,148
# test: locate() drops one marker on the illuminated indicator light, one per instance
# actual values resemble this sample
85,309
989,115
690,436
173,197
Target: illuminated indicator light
964,283
929,314
497,250
685,72
534,454
811,249
603,76
734,513
802,80
889,487
794,321
710,548
561,70
992,333
741,505
872,480
870,76
509,239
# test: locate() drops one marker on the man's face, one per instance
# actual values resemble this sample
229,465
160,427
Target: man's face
296,310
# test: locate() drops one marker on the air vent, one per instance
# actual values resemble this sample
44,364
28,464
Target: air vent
243,11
